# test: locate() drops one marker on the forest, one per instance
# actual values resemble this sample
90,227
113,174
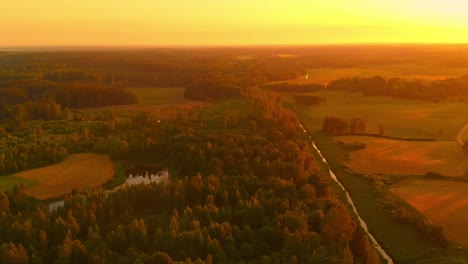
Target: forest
246,186
248,190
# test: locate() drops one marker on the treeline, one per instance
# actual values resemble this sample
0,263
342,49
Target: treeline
214,87
79,95
158,67
41,143
294,88
435,91
334,125
258,198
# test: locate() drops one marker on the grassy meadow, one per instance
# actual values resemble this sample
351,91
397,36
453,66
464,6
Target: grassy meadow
399,117
7,182
78,171
163,102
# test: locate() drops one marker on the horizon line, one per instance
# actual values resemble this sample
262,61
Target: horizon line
159,46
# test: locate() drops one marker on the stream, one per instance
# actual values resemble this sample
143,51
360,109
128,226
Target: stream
350,201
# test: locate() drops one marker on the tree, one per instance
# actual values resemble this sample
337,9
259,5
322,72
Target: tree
11,253
381,130
4,203
465,147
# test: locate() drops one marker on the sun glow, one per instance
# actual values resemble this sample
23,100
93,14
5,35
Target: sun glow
223,22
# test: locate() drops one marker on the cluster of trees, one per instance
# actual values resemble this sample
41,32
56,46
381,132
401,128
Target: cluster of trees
214,87
79,95
44,142
70,76
452,88
13,117
334,125
252,193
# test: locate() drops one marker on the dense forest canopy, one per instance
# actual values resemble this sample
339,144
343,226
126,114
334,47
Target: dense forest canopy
248,190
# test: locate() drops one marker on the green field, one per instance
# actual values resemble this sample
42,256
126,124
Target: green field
399,117
7,182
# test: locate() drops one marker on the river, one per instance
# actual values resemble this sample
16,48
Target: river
362,223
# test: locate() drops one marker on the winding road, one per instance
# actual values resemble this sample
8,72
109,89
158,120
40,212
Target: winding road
460,135
362,223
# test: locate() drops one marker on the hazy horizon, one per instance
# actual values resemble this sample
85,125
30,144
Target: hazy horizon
221,23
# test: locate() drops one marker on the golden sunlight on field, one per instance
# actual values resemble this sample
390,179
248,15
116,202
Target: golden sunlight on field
445,203
79,171
407,157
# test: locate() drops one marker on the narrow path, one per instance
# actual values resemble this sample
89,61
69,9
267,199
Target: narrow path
460,135
362,223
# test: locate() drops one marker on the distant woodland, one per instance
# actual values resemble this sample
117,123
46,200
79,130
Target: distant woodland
435,91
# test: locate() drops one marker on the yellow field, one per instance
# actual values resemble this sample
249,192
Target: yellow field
444,203
79,171
407,157
424,72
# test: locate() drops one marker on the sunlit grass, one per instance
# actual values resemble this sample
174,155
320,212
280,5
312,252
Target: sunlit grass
7,182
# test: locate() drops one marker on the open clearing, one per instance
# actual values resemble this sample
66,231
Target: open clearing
163,102
399,117
444,203
407,157
79,171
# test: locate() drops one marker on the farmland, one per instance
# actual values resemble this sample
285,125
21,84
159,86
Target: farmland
385,162
78,171
410,71
443,202
407,157
399,117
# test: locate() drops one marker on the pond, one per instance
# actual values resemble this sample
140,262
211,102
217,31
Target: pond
136,175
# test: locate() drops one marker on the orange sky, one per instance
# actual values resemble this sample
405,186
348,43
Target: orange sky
223,22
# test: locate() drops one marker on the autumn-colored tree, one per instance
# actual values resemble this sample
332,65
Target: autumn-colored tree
15,254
